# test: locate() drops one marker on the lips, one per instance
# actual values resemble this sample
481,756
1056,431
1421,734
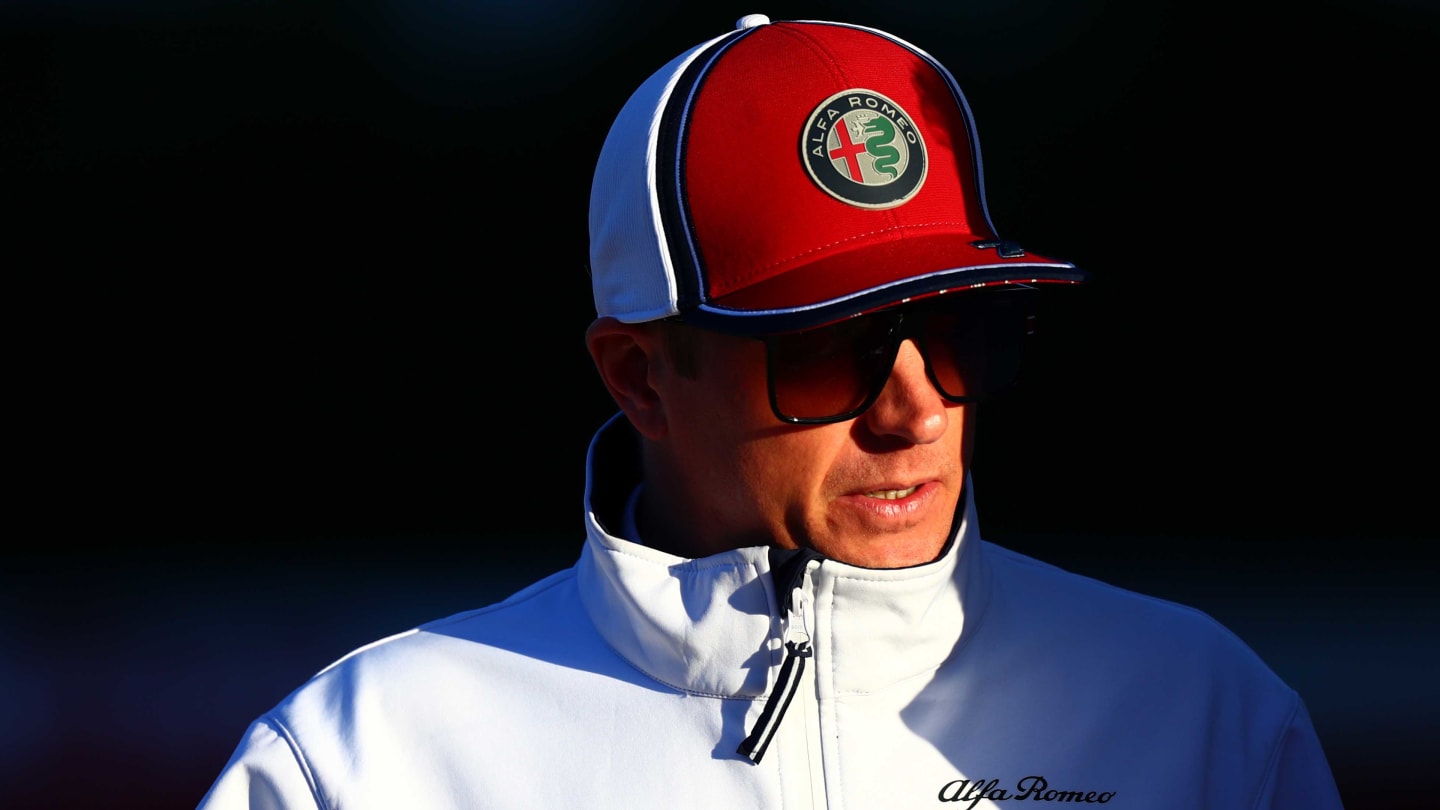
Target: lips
892,505
892,494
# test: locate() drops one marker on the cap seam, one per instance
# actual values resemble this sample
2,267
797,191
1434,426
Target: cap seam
819,50
748,277
826,57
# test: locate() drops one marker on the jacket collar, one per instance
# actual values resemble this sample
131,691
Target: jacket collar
712,625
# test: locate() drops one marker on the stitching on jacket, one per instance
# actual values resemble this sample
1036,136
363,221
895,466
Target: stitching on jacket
821,709
690,565
889,581
1273,766
682,690
278,726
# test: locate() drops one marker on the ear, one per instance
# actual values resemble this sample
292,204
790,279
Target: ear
624,354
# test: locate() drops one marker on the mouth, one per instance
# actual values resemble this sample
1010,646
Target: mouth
892,494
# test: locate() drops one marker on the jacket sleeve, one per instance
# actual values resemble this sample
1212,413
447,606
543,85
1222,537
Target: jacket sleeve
1300,776
265,773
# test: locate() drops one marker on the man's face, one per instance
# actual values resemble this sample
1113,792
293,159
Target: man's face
879,490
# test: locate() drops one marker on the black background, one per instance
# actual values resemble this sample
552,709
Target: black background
297,290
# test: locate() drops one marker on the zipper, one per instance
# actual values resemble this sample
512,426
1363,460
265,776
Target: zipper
789,579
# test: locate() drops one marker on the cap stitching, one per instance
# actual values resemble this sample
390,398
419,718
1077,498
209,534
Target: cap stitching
824,54
815,47
742,280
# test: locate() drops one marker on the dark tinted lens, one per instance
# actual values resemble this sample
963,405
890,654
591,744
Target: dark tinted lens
829,371
974,350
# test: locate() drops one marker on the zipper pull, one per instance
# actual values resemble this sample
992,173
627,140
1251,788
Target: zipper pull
797,650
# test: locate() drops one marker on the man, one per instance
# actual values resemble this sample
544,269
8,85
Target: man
783,599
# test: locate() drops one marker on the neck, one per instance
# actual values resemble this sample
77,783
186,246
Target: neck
670,520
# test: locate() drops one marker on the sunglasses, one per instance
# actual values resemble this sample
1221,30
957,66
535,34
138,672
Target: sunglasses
971,344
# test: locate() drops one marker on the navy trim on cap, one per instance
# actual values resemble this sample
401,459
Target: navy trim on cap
670,173
950,282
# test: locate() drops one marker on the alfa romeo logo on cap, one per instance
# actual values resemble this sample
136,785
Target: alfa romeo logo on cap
862,149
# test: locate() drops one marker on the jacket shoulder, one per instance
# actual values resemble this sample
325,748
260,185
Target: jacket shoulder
1114,626
514,625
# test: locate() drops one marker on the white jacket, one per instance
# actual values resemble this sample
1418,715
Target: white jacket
985,679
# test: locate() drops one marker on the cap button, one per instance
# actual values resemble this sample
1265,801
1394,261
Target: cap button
752,21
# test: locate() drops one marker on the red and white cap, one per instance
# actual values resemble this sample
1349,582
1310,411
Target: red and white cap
790,174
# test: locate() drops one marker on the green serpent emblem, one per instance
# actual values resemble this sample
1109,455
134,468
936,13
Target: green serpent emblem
878,145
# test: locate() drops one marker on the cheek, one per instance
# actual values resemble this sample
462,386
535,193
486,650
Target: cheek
717,427
788,468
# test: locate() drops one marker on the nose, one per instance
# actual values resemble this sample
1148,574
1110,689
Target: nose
909,407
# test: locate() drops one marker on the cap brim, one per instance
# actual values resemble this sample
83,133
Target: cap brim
879,275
